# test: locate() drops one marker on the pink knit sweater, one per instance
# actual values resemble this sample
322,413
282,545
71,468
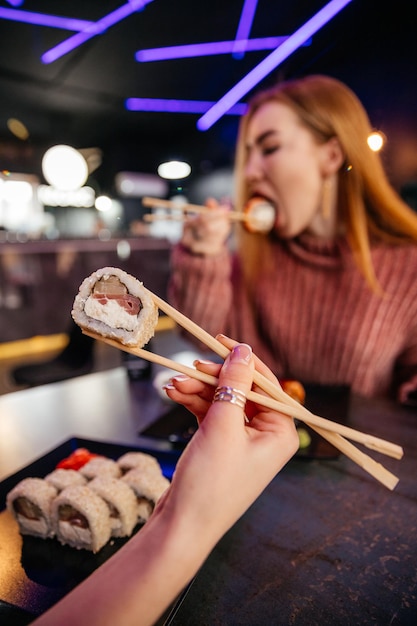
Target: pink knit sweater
316,319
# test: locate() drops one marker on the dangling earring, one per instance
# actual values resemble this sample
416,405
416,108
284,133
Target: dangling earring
326,199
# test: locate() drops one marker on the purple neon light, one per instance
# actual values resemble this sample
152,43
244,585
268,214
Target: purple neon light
207,49
160,105
93,29
244,28
15,3
271,62
43,19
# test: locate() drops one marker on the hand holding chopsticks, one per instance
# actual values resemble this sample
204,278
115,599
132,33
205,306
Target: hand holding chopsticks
276,399
258,215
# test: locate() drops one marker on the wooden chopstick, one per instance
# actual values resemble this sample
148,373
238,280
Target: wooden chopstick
331,430
296,411
185,207
276,392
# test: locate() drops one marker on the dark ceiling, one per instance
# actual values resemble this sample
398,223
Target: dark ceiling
80,98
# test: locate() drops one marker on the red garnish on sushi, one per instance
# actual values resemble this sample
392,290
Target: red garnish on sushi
76,459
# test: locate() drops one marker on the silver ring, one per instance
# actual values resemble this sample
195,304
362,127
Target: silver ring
230,394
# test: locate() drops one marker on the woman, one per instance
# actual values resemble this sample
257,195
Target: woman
329,296
224,468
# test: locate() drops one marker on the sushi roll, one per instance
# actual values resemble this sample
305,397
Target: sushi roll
260,216
148,489
100,466
139,460
30,502
61,478
121,501
114,304
81,518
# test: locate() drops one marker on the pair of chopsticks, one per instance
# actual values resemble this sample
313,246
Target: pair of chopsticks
277,399
185,207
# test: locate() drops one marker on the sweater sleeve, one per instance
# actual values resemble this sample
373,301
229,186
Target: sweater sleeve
200,287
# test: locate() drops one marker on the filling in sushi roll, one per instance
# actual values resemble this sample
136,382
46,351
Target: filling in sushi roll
112,303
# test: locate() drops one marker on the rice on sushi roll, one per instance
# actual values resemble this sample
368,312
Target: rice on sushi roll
139,460
148,489
100,466
62,478
81,518
112,303
30,503
121,501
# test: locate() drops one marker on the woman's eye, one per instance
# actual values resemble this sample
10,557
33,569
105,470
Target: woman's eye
269,150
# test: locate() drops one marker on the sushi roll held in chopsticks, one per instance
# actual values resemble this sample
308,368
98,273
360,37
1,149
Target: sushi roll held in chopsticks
112,303
260,216
30,503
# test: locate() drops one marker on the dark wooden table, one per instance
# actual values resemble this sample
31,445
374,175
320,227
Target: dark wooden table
325,544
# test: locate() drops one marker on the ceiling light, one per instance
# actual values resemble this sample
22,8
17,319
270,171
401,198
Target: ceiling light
96,28
376,140
103,203
210,49
174,170
44,19
17,128
64,168
161,105
245,25
271,62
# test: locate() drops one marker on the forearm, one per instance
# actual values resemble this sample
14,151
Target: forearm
139,582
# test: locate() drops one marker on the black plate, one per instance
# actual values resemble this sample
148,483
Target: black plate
35,573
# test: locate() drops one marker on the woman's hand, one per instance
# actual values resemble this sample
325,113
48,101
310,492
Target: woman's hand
207,233
229,461
226,465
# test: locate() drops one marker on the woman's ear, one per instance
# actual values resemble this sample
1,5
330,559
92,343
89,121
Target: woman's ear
333,156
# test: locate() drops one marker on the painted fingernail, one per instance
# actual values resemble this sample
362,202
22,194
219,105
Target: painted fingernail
180,378
202,361
168,386
242,353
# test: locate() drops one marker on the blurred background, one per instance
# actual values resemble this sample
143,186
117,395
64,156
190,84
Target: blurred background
129,85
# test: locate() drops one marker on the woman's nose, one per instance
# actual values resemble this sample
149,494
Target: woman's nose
253,171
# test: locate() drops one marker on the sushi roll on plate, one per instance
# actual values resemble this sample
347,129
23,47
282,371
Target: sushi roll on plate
81,518
148,489
121,501
61,478
100,466
30,502
139,460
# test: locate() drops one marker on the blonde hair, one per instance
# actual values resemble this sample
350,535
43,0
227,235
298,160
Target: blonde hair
368,206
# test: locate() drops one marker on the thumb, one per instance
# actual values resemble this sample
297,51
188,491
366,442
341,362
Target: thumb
235,379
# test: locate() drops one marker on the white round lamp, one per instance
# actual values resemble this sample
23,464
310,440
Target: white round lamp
64,168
